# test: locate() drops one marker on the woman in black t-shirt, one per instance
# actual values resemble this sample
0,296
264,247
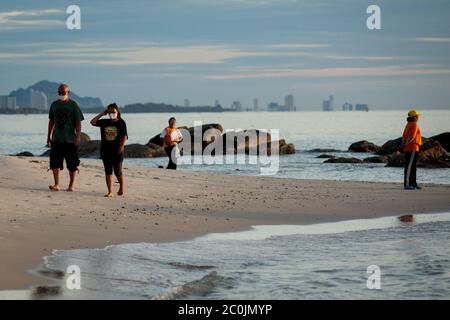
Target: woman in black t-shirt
114,135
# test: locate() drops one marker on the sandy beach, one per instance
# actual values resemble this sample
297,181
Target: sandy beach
162,205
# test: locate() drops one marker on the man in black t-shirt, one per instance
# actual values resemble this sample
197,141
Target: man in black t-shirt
114,135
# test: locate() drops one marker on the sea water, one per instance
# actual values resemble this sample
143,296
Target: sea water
322,261
307,130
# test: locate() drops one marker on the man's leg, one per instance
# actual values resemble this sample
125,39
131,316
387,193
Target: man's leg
56,186
72,161
56,165
72,175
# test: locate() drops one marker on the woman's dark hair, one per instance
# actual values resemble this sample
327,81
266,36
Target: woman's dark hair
410,119
171,119
116,107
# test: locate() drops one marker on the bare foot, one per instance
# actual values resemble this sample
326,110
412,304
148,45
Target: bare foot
120,193
54,188
70,189
109,195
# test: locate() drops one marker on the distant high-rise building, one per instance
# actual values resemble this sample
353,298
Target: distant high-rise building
216,103
347,107
275,106
236,106
327,105
3,102
361,107
8,102
38,100
187,103
255,104
289,102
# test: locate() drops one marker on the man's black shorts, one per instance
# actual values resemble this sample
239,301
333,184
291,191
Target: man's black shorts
113,161
61,152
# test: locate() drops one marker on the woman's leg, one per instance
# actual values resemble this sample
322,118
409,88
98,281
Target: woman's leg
108,175
118,173
122,186
109,182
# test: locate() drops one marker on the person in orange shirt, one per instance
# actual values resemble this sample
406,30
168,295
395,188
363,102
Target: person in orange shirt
411,142
171,137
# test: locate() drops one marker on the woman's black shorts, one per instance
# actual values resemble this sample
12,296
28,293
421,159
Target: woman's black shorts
113,162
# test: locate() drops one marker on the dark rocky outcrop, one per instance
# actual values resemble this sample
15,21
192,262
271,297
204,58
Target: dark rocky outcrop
443,139
212,131
286,148
89,149
325,156
318,150
376,159
84,137
432,155
390,147
343,160
363,146
138,151
24,154
251,141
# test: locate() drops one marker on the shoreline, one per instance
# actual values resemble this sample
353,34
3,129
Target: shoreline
165,206
257,232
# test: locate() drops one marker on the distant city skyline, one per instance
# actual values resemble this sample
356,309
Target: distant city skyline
229,50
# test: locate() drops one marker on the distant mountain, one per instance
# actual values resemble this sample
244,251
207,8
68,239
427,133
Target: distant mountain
51,89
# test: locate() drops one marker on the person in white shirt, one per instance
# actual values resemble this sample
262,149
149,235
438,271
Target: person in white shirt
171,137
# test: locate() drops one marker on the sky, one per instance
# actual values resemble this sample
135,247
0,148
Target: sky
203,50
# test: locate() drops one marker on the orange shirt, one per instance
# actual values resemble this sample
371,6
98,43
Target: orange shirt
171,136
412,134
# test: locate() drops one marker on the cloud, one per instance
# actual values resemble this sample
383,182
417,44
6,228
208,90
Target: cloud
29,18
299,45
432,40
131,55
98,53
411,70
240,2
365,58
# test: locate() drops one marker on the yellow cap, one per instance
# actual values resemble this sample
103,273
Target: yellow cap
413,113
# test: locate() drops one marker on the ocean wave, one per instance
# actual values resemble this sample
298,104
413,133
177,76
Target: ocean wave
201,287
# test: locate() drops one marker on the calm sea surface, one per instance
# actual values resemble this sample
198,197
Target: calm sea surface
307,130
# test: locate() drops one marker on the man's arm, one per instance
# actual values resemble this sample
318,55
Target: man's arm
77,133
51,127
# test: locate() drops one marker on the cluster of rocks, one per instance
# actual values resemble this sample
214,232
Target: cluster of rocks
434,153
250,141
